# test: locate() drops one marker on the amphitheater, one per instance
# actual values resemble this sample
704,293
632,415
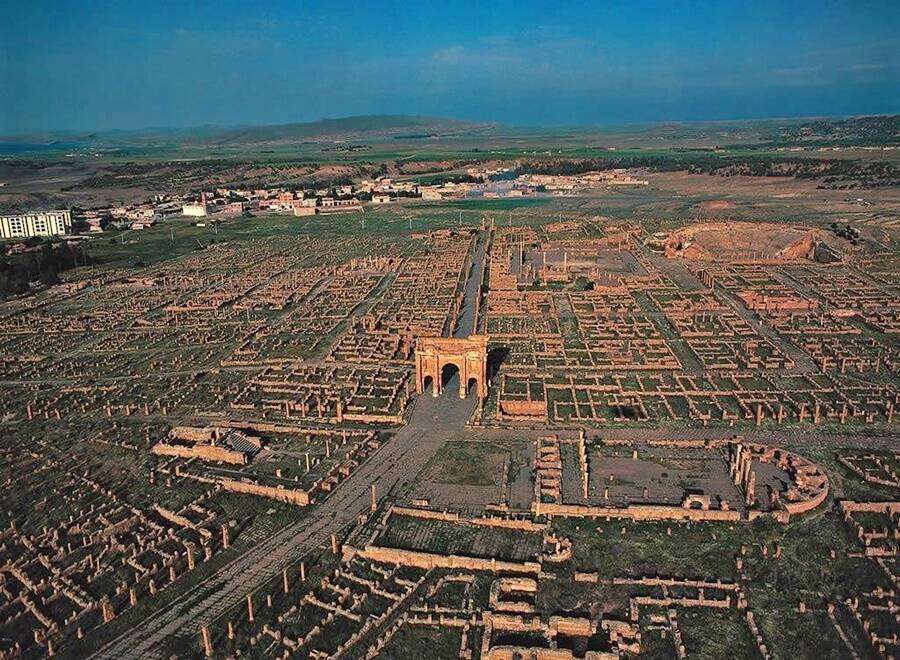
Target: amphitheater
743,241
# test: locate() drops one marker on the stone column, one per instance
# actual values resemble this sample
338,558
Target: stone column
207,642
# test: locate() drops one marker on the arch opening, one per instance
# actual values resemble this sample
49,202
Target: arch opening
449,372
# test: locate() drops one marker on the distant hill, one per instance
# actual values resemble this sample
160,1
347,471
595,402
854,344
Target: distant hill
361,126
343,127
876,130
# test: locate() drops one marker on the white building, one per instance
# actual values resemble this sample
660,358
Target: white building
38,223
195,210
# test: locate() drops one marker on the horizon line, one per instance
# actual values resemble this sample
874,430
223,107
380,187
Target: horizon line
485,122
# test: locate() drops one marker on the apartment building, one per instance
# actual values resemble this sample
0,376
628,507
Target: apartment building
36,223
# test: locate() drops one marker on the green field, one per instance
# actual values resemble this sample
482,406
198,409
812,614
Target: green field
467,464
176,237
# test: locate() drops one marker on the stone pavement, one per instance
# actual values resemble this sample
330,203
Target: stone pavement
467,320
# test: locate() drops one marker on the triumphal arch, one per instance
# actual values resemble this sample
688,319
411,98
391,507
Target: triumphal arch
436,357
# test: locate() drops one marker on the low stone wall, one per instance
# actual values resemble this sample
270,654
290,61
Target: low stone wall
517,584
430,514
373,418
539,653
687,444
674,582
848,506
181,521
485,521
524,410
558,625
429,560
192,433
724,603
796,508
636,512
572,626
297,497
850,465
200,451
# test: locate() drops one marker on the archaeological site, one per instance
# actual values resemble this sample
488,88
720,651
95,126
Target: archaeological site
543,440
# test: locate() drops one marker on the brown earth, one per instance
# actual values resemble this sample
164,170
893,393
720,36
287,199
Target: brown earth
741,240
89,184
715,205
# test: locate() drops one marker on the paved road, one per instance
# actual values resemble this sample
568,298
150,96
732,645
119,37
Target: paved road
465,325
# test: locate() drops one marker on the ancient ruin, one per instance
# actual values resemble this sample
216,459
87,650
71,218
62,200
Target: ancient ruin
489,441
436,357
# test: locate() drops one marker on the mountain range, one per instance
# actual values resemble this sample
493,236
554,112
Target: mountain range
343,128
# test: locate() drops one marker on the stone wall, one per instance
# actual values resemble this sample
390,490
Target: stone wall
200,451
636,512
297,497
429,560
484,521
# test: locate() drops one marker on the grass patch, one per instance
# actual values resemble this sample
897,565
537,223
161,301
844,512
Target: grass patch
467,464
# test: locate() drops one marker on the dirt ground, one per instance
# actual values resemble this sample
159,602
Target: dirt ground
739,239
784,197
86,184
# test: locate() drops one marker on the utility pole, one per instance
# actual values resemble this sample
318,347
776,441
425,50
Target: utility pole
172,234
459,222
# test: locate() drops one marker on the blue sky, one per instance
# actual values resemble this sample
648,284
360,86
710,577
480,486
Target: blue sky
94,65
